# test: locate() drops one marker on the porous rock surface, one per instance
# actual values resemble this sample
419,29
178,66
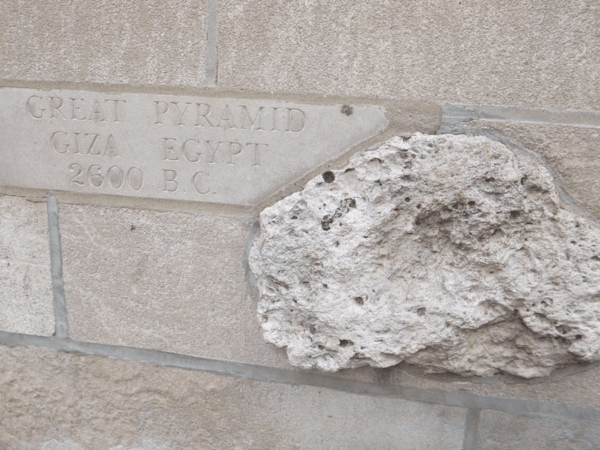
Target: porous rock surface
453,253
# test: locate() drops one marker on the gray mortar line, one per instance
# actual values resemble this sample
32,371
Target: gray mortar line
471,429
460,399
250,279
211,55
58,292
517,114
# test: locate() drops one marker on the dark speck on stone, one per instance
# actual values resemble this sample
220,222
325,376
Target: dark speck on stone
347,109
328,176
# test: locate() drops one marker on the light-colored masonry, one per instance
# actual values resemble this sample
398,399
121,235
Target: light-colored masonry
141,141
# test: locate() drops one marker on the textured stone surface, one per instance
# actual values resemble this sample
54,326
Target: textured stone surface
449,252
507,53
501,431
161,280
572,151
105,41
25,282
62,401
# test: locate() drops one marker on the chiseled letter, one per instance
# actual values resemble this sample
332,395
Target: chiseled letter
275,124
257,153
55,108
212,153
203,115
257,118
160,111
170,150
170,176
235,149
30,110
97,111
58,143
291,122
116,113
75,108
196,183
185,150
93,150
111,147
181,113
226,117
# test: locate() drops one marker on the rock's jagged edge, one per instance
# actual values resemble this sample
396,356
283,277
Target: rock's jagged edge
450,252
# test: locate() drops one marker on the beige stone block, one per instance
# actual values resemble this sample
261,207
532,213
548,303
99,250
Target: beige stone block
64,401
572,151
161,280
104,41
196,149
26,304
176,282
501,431
508,53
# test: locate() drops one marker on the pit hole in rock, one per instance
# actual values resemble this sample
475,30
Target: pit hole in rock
514,214
345,343
328,176
421,311
471,203
578,337
326,223
320,347
359,300
562,329
407,199
294,217
132,227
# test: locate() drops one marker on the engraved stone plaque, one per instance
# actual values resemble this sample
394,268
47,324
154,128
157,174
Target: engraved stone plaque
216,150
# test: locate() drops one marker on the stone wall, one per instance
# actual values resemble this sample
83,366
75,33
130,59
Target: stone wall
130,322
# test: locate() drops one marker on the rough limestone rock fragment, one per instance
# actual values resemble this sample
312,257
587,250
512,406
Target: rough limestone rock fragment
453,253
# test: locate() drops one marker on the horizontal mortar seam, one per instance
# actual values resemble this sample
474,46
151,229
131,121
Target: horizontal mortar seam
520,407
524,115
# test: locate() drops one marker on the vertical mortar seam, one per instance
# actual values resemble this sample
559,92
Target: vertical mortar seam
58,292
471,429
212,42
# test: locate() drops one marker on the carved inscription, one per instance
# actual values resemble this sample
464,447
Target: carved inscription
197,149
